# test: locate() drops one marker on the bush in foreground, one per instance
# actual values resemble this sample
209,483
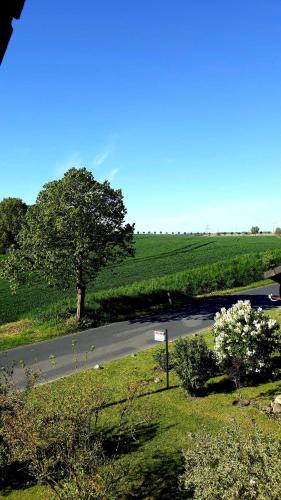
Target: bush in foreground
160,358
245,339
233,465
194,363
67,439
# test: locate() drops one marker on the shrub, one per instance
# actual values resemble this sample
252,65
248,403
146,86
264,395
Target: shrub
233,465
194,363
68,439
245,339
160,358
270,259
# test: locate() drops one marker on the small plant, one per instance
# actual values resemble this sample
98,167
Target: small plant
233,465
245,339
72,324
194,363
160,358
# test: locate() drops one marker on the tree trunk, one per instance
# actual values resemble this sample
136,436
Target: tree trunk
80,301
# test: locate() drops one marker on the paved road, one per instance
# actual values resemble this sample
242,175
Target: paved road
119,339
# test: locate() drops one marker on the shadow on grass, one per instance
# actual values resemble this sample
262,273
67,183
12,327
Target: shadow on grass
225,385
14,477
178,251
142,395
159,478
270,393
128,442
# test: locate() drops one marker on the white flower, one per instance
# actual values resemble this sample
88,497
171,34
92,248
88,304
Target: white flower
242,330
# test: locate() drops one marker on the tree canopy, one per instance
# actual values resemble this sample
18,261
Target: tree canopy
255,229
75,228
12,213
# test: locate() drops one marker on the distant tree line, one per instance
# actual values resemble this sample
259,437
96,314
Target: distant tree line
218,233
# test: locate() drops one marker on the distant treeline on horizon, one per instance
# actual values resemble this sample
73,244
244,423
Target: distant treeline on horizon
219,233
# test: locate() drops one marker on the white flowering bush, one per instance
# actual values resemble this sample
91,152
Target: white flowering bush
245,339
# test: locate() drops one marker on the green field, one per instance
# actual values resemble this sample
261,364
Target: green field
162,262
159,255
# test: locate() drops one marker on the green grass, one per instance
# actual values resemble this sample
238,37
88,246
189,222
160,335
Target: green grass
156,459
182,264
159,255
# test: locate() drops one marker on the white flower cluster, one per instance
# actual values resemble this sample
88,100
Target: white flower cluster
246,335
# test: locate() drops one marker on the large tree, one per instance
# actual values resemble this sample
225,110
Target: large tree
12,213
74,229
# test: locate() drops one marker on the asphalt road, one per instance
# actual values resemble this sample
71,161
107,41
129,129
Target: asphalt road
65,355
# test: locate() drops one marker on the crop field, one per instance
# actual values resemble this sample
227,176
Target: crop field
161,261
159,255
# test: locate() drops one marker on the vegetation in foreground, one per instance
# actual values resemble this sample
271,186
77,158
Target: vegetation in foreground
153,460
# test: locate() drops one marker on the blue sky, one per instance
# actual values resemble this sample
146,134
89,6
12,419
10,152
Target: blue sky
177,103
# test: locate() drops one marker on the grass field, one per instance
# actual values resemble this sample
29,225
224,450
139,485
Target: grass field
159,255
154,461
161,262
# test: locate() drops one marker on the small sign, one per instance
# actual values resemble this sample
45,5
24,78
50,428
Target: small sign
159,335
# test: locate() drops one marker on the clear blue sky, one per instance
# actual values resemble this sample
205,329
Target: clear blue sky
178,103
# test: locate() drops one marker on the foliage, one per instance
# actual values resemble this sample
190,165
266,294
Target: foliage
233,465
255,229
278,231
67,441
153,460
75,228
270,259
12,213
194,363
245,339
160,358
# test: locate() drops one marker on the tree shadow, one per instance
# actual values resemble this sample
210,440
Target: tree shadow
127,442
204,308
142,395
181,250
225,385
160,478
270,393
15,476
185,306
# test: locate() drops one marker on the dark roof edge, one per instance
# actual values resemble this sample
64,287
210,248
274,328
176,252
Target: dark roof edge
18,6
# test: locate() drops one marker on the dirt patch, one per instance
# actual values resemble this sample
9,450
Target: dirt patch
15,328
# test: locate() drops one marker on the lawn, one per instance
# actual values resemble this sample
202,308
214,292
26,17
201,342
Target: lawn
154,461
